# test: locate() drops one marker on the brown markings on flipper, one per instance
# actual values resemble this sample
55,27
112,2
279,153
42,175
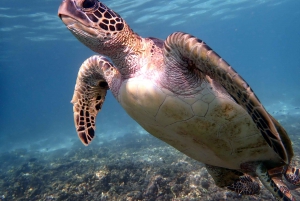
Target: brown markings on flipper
272,180
246,185
185,48
89,95
234,180
292,175
278,185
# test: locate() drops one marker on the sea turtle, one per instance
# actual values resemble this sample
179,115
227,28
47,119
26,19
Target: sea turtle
183,93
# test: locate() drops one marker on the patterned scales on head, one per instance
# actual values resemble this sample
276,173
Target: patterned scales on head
183,93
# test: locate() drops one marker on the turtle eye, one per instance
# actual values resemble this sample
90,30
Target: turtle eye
86,4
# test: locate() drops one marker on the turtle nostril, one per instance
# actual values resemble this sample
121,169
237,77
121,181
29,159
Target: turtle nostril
88,3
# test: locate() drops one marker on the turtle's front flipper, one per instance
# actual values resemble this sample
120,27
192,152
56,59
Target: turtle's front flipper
233,180
93,80
292,175
272,180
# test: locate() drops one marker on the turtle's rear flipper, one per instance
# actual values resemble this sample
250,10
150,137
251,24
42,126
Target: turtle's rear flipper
292,175
93,79
246,185
272,180
233,180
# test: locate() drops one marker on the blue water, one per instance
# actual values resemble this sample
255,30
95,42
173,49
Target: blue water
39,58
39,61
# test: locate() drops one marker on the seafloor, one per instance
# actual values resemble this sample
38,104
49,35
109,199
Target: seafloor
132,167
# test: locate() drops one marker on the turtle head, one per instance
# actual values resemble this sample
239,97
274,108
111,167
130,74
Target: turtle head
92,23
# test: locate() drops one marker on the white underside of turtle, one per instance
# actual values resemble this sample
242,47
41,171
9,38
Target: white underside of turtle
207,127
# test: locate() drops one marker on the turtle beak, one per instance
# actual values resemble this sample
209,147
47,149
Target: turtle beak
69,13
61,9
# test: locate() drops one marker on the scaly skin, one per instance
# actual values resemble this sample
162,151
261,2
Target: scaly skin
182,92
117,41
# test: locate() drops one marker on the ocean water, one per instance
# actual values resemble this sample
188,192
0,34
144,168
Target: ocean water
39,61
